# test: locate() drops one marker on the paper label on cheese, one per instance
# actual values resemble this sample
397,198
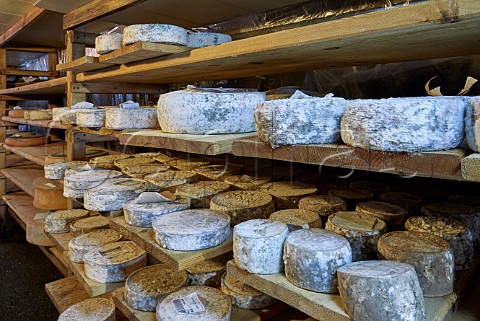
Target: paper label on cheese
189,304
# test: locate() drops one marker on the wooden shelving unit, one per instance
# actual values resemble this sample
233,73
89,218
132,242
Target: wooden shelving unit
48,87
39,123
23,176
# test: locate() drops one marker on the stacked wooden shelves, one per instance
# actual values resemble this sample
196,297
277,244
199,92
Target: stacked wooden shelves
48,87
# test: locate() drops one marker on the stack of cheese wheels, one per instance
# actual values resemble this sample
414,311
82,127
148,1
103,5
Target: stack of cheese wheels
108,160
59,221
149,206
218,308
133,161
88,224
452,230
247,182
170,180
76,184
147,286
374,187
429,254
90,118
300,120
113,193
312,257
208,111
244,296
39,114
114,262
206,229
394,215
188,164
131,118
206,39
287,194
380,291
351,196
201,193
258,246
471,123
217,172
161,33
408,201
426,124
242,206
297,218
81,244
208,272
361,230
323,205
140,171
57,170
108,42
94,309
49,195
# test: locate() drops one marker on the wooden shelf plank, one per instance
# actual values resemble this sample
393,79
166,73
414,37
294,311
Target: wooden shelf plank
23,176
37,154
85,63
38,123
93,288
60,240
65,292
49,87
59,264
319,305
177,260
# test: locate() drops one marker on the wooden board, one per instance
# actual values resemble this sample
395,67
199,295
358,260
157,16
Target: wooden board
197,144
177,260
37,154
23,176
65,292
93,288
38,123
47,87
85,63
60,240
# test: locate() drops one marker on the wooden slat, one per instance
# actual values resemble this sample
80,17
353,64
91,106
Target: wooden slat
37,154
118,88
60,240
65,292
177,260
85,63
34,73
32,49
39,123
93,288
23,176
48,87
21,24
55,261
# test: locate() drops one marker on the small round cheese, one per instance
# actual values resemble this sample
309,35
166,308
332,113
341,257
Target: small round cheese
90,118
393,215
76,184
406,200
244,296
94,309
208,272
59,221
206,39
161,33
49,195
79,245
247,182
57,170
374,187
287,194
217,172
88,224
351,196
108,42
140,171
297,218
107,161
201,193
323,205
131,118
170,180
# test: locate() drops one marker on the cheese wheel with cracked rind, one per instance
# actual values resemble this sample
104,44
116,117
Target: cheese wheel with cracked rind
108,161
161,33
188,164
217,172
79,245
76,184
93,309
208,272
108,42
38,114
287,194
297,218
170,180
206,39
247,182
88,224
244,296
323,205
90,118
133,161
140,171
59,221
201,193
131,118
394,215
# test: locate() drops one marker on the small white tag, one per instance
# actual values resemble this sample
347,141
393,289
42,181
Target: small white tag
189,304
41,216
50,185
129,104
151,197
17,107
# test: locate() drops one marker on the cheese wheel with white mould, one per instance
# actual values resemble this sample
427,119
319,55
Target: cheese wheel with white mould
114,262
246,182
38,114
90,118
361,230
131,118
154,32
205,229
409,201
244,296
217,172
140,171
113,193
323,205
297,218
201,193
351,196
242,206
59,221
430,255
49,195
394,215
258,246
93,309
287,194
57,170
472,116
146,287
452,230
108,42
133,161
208,272
108,161
208,111
426,123
79,245
372,186
170,180
141,213
217,305
206,39
188,164
88,224
76,184
381,290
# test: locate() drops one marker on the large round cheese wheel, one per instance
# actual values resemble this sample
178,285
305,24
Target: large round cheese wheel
140,171
206,39
201,193
406,200
107,161
380,291
323,205
404,124
471,119
394,215
76,184
170,180
49,195
79,245
217,172
93,118
57,170
208,111
287,194
114,262
89,224
147,286
247,182
351,196
131,118
162,33
297,218
93,309
372,186
108,42
244,296
67,115
26,140
59,221
429,254
191,230
217,305
312,257
208,272
258,246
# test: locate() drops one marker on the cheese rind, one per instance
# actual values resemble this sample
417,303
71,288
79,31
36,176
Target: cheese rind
472,130
287,194
57,170
170,180
297,218
409,201
247,182
244,296
59,221
323,205
108,161
90,118
217,172
93,309
38,114
108,42
351,195
79,245
201,193
208,272
88,224
394,215
113,193
76,184
161,33
206,39
131,118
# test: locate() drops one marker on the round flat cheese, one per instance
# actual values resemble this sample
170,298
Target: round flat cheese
108,42
170,180
88,224
206,39
217,172
134,161
394,215
323,205
140,171
79,245
374,187
93,309
161,33
164,158
201,193
59,221
38,114
244,296
406,200
57,170
297,218
247,182
49,195
107,161
188,164
131,118
208,272
76,184
90,118
351,196
287,194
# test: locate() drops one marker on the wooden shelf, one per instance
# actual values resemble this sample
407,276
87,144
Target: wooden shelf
37,154
49,87
177,260
23,176
85,63
93,288
60,240
319,305
38,123
65,292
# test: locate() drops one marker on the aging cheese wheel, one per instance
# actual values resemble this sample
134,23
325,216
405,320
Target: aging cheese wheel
48,195
59,221
429,254
133,161
66,115
406,200
16,113
361,230
131,118
89,224
258,246
299,120
394,215
108,161
26,140
452,230
323,205
380,291
205,229
92,118
243,205
140,171
208,111
147,286
114,262
208,272
217,172
374,187
217,305
188,164
163,158
108,42
94,309
170,180
287,194
201,193
206,39
38,114
79,245
162,33
297,218
247,182
76,184
351,196
244,296
472,130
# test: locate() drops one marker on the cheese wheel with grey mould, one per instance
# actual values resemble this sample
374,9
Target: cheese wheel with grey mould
131,118
57,170
59,221
93,309
170,180
452,230
372,186
244,296
351,196
323,205
208,272
206,39
361,230
114,262
431,256
88,224
108,42
312,257
90,118
297,218
472,130
108,161
247,182
414,124
38,114
242,206
287,194
394,215
208,111
201,193
217,305
217,172
188,164
380,291
76,184
409,201
258,246
205,229
140,171
154,32
146,287
79,245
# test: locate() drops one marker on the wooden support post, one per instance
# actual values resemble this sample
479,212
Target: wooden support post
3,85
76,145
74,51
